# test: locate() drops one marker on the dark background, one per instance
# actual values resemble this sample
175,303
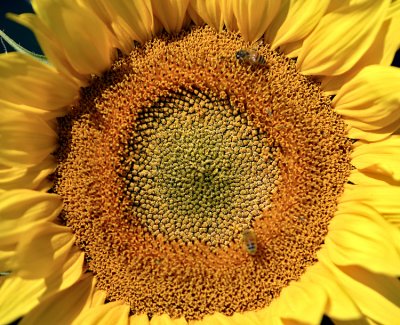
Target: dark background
18,33
25,37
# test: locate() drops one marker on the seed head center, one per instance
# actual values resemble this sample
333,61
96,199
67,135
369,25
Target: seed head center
196,169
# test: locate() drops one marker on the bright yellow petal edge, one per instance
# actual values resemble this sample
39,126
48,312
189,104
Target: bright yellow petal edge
356,275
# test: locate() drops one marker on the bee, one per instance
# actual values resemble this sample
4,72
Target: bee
251,57
249,240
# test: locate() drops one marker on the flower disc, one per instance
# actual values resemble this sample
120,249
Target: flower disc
197,183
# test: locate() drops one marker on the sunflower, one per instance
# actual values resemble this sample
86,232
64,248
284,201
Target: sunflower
202,162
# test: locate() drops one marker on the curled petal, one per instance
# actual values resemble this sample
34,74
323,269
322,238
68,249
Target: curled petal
295,21
18,296
379,160
367,178
381,51
301,301
73,38
43,250
341,38
33,86
30,110
7,253
34,178
23,210
340,305
50,46
358,235
385,199
69,273
84,38
111,313
99,298
370,102
64,306
376,295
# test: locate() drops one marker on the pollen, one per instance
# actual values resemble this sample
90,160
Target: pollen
175,155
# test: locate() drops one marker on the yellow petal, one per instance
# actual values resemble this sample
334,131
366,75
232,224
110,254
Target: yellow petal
210,12
43,114
295,20
195,17
25,140
392,42
394,220
23,210
358,235
164,319
214,319
340,305
369,103
250,318
385,199
101,10
69,273
376,295
341,38
378,160
254,16
171,13
84,38
63,307
139,320
43,250
381,51
114,313
132,20
301,301
25,81
34,178
360,178
275,320
360,321
228,15
291,50
7,254
99,297
18,296
51,47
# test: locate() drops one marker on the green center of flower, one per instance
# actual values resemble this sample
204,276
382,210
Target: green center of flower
196,169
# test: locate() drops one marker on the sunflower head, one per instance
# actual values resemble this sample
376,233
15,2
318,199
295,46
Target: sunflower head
190,161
